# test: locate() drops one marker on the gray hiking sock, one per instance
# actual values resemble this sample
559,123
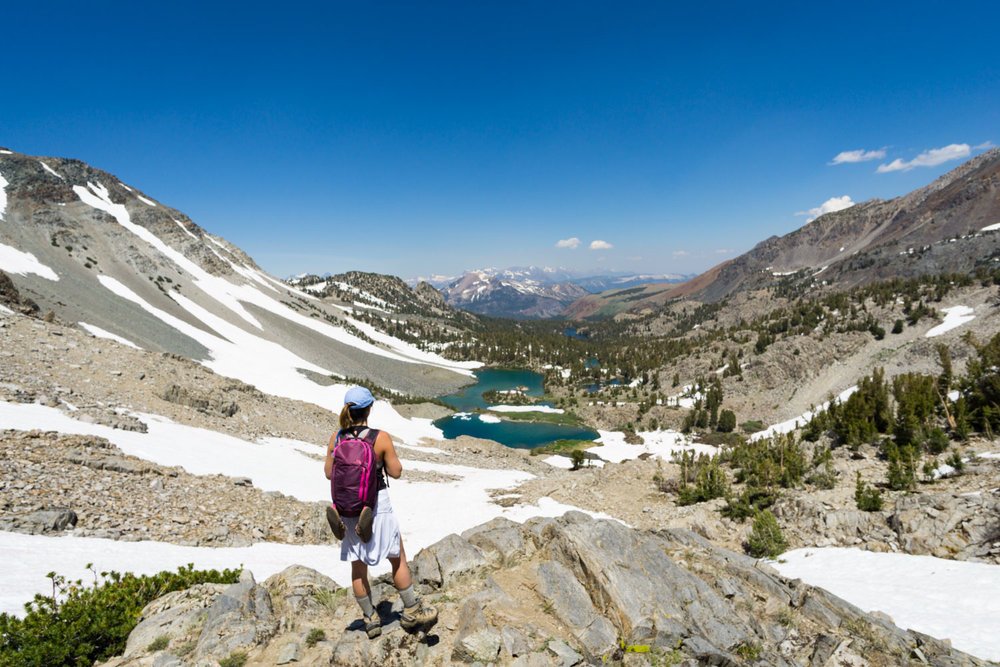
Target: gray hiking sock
365,602
408,597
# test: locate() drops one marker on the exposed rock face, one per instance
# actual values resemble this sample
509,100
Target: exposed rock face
11,298
933,229
962,527
564,591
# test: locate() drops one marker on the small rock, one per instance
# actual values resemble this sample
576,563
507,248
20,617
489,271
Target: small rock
289,653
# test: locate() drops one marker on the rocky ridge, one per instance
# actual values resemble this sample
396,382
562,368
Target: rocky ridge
550,592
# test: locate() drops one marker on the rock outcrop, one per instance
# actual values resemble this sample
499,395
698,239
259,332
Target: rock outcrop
947,525
566,591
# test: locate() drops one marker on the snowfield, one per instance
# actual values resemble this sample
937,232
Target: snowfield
233,296
954,317
611,446
526,408
947,599
97,331
274,464
13,260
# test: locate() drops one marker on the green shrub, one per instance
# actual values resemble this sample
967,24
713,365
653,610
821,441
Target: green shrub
766,540
749,503
315,636
577,457
752,426
158,644
235,659
867,498
79,625
701,479
727,421
955,461
902,473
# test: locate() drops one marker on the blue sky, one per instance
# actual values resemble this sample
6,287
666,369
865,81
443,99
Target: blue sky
420,138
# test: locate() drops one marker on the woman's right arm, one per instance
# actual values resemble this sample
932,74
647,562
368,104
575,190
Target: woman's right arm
328,463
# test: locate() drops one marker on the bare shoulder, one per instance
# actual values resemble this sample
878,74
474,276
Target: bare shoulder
383,441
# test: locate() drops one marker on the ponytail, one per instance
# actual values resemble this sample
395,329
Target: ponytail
352,416
345,418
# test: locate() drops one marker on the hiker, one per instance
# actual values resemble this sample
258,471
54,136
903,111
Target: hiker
373,533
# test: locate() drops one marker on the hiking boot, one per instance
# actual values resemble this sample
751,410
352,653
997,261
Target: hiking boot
336,523
373,626
365,522
418,616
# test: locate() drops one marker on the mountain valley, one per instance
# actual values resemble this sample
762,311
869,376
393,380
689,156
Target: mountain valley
160,391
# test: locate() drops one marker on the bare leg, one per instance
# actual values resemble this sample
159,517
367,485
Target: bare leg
400,569
359,579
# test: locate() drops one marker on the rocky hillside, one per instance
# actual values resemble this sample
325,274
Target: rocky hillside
550,592
78,243
939,228
946,226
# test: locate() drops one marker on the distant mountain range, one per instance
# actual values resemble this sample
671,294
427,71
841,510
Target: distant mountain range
533,292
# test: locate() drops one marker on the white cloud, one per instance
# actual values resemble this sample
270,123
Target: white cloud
724,251
860,155
829,206
929,158
572,242
680,253
985,146
600,245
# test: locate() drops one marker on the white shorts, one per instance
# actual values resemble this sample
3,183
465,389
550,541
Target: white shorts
385,535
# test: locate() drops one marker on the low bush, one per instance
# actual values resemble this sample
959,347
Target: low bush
766,539
867,498
79,625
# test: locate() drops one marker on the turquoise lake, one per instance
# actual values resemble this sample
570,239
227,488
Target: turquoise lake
494,379
519,435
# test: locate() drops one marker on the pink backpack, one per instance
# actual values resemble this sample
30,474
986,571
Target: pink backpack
354,482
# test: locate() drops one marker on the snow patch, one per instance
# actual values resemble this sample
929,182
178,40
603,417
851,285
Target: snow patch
97,331
526,408
662,444
489,419
186,230
800,421
954,317
3,195
274,464
942,598
146,201
6,152
125,186
5,310
51,170
13,260
991,228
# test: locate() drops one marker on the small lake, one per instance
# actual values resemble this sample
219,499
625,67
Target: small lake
494,379
519,435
